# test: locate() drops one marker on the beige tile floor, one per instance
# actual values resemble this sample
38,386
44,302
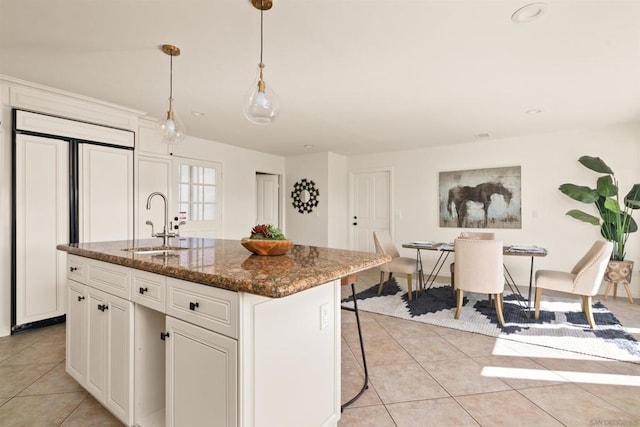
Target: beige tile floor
424,375
420,375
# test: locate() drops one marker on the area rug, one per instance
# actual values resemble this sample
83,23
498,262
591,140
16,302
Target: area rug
562,325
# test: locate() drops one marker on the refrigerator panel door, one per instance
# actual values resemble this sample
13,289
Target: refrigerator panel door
42,222
106,193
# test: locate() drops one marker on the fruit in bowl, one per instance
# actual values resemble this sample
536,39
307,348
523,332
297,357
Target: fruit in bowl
266,240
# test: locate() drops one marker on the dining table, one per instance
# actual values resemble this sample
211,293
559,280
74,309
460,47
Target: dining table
446,249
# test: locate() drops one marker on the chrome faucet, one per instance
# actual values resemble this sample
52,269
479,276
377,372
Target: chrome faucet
166,234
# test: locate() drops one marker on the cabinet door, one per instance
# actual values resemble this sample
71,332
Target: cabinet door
201,369
96,343
76,342
42,222
106,189
153,174
110,352
119,356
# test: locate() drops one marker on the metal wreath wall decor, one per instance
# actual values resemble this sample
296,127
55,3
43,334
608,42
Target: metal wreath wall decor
305,196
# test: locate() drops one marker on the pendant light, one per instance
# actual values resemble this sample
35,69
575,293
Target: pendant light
172,128
261,104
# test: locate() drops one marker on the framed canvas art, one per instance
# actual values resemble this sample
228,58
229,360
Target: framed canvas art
481,198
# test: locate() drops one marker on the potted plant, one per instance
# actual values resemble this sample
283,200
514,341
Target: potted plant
615,220
266,239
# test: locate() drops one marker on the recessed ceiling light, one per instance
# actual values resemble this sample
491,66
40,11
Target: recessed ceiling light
482,135
197,113
533,111
529,13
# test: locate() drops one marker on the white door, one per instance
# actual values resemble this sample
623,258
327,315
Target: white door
370,207
268,200
198,197
42,222
201,375
106,193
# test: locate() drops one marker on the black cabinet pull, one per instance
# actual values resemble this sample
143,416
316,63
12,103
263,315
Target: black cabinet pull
143,290
103,307
355,223
80,298
72,269
193,306
164,336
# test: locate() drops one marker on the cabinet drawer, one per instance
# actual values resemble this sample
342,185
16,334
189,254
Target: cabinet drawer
212,308
111,278
150,290
75,268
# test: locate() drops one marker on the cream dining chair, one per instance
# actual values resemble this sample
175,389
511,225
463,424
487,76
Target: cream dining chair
479,268
398,264
584,279
469,235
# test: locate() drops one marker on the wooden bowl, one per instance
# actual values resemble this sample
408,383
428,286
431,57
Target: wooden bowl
266,247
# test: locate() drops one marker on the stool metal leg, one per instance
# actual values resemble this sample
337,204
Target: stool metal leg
364,359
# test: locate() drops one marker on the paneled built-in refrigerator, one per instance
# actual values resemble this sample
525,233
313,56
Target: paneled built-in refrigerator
72,182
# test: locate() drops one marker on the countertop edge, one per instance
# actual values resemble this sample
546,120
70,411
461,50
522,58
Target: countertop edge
219,281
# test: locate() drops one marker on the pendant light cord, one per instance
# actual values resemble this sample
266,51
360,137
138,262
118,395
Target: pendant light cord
261,34
171,78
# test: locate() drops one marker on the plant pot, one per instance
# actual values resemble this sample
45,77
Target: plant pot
618,272
266,247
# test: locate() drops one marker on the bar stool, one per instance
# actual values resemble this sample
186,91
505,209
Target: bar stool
351,280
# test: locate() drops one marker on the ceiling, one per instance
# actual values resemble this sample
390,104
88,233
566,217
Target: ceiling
352,76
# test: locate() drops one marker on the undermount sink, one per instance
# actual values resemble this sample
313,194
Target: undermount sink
154,249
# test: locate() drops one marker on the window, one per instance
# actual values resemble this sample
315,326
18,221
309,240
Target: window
197,193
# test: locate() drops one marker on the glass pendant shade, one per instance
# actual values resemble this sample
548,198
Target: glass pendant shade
172,129
261,103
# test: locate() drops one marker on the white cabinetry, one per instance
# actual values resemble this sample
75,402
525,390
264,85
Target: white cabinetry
66,189
106,186
201,368
76,345
100,337
197,355
42,222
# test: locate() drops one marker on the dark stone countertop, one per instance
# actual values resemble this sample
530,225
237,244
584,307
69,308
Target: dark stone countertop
228,265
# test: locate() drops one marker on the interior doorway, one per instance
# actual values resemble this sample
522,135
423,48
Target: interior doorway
268,199
370,207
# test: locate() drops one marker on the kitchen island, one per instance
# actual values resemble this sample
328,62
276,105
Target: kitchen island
205,333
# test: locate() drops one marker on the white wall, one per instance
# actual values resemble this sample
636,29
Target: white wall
327,224
308,228
337,195
547,161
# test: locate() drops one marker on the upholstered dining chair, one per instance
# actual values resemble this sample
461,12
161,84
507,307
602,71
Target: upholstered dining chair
479,268
584,279
398,264
469,235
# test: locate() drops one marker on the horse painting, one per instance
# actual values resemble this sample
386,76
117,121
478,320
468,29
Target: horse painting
460,196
